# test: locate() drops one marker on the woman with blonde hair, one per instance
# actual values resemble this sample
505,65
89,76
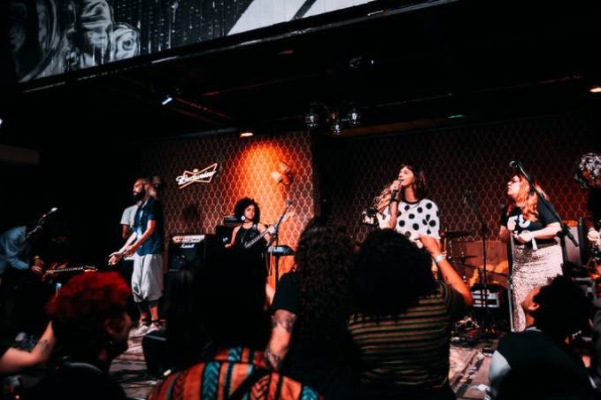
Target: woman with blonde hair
533,228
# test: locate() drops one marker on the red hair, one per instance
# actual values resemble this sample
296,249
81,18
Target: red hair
81,308
526,201
98,293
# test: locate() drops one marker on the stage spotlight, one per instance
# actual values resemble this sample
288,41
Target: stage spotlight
1,122
312,119
595,89
246,134
168,99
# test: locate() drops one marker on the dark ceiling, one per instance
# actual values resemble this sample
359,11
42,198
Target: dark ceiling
404,65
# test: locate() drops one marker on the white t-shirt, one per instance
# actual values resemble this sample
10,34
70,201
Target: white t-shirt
129,216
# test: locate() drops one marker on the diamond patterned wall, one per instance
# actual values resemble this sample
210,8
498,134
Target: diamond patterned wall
475,158
245,167
354,170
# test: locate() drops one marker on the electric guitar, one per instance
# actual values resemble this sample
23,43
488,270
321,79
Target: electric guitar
284,217
54,272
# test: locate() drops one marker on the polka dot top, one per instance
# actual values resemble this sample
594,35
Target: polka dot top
419,217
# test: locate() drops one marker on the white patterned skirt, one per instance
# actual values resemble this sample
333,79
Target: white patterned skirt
531,268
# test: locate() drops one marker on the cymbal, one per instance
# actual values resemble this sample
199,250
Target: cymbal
455,234
488,271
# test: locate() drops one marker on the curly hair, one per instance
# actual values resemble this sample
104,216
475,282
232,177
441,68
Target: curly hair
242,204
591,163
323,262
419,183
525,200
79,311
563,308
390,275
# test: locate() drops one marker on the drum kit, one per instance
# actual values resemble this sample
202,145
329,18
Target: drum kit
448,237
487,296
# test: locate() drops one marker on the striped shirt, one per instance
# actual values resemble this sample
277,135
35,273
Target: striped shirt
219,378
411,351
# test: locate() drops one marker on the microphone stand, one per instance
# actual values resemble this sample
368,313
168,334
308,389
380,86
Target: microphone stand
486,326
275,237
565,231
39,226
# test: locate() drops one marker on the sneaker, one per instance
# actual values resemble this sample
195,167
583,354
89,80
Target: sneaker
139,331
153,328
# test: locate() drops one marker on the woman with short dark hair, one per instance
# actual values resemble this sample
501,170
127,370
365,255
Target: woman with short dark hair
402,317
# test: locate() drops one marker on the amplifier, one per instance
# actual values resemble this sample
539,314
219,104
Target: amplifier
186,250
494,297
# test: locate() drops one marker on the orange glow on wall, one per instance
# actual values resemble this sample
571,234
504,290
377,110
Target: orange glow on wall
245,169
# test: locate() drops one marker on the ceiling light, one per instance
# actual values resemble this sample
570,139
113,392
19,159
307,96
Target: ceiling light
312,119
353,117
595,89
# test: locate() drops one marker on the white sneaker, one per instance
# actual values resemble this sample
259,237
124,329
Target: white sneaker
139,331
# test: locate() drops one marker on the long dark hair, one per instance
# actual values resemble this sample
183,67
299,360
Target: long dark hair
323,261
390,275
241,206
421,188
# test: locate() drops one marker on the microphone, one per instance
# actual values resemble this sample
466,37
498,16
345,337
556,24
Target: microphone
41,222
52,211
517,166
393,194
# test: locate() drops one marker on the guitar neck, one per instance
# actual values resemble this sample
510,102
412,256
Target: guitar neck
266,231
72,269
256,239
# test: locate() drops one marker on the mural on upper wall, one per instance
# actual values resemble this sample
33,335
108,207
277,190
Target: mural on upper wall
50,37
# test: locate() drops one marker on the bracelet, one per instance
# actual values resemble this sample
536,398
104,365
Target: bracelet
439,258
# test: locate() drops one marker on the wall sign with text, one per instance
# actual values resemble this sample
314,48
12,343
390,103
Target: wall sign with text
197,176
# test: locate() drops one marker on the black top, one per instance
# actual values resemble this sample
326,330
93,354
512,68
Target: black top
594,209
324,365
545,217
78,381
543,364
246,235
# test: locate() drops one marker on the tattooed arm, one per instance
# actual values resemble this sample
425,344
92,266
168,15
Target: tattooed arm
282,325
15,360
